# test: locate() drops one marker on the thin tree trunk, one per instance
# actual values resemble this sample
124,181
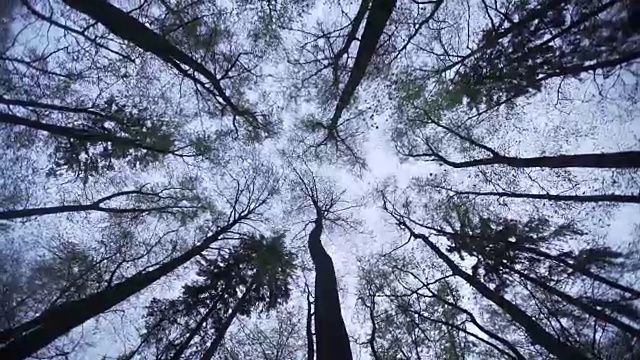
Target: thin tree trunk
600,315
582,270
353,31
185,344
516,353
331,334
374,328
222,331
59,320
15,214
94,206
310,346
536,332
63,108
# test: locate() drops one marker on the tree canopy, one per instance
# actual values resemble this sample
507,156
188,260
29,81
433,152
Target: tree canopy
319,180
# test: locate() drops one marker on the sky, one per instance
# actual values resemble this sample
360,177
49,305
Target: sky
568,117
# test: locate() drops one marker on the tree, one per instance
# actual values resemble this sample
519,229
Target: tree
534,268
332,340
547,42
277,336
165,200
200,318
336,135
407,147
127,27
614,198
25,339
416,312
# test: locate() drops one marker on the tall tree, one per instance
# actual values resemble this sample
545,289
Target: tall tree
131,29
415,311
145,199
514,257
423,148
332,340
23,340
200,318
537,333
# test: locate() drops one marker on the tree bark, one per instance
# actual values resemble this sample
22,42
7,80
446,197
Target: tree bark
222,331
535,331
15,214
60,319
332,339
63,108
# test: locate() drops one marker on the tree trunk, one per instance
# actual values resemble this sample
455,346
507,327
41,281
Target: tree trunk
78,134
597,314
632,199
222,331
16,214
131,29
536,332
310,346
379,15
185,344
581,270
332,339
618,160
59,320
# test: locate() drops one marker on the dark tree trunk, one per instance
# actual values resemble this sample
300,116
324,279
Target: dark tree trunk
374,328
310,346
353,31
332,340
581,270
633,199
536,332
588,309
94,206
78,134
222,331
514,350
618,160
131,29
177,355
23,342
379,15
16,214
63,108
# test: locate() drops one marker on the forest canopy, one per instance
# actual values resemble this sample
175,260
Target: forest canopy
330,180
